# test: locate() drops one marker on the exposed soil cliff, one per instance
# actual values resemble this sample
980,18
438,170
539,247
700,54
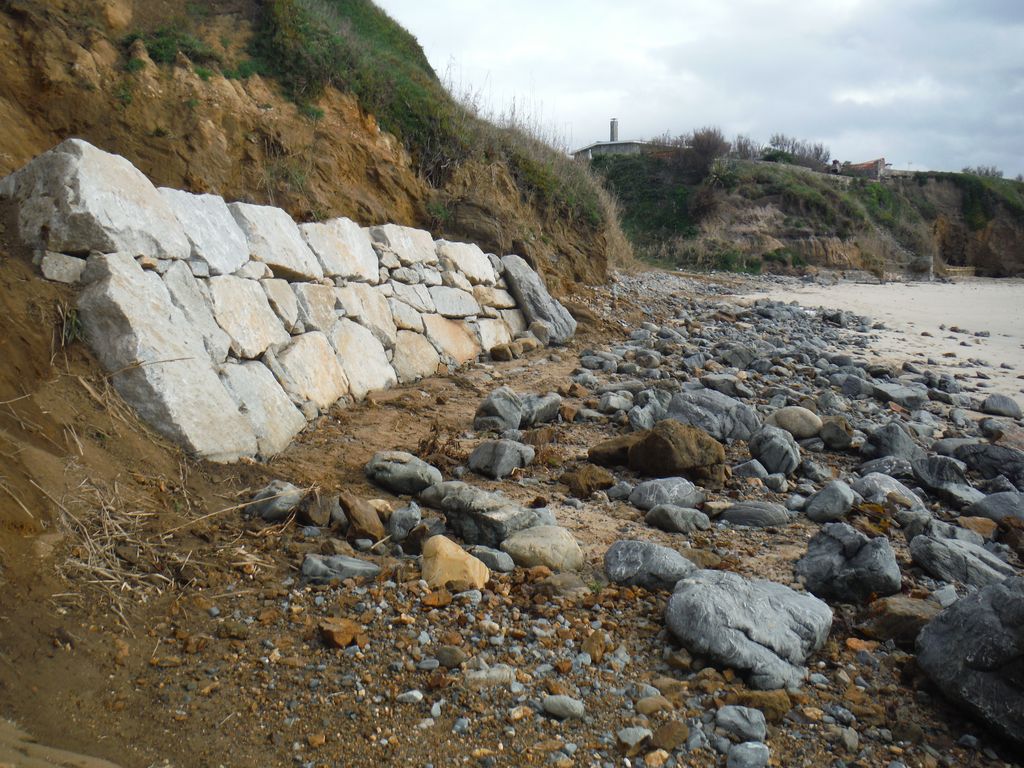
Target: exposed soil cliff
66,69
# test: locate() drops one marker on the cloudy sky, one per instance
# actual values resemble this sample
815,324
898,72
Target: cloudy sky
927,84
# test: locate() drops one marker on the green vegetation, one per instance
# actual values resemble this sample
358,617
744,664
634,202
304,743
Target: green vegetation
135,65
165,44
204,73
982,197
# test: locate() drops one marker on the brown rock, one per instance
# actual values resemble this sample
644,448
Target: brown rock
614,452
363,520
540,436
341,633
702,558
446,562
671,735
672,449
898,619
502,352
568,412
656,759
596,644
316,509
650,705
982,526
774,704
587,479
451,656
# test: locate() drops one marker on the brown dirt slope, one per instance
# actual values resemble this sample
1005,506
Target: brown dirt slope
64,71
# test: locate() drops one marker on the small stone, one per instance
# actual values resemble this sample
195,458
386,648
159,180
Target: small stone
410,697
749,755
671,735
563,707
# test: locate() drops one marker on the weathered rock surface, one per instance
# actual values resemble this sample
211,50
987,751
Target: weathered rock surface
845,565
1001,405
189,296
721,416
899,619
757,627
671,449
775,449
756,514
478,516
211,230
549,545
275,240
451,338
677,519
362,357
415,358
800,422
677,491
411,246
161,365
645,564
468,259
322,569
343,249
956,560
973,651
78,199
368,306
534,300
308,369
831,503
401,472
242,310
273,417
499,458
501,410
445,562
999,505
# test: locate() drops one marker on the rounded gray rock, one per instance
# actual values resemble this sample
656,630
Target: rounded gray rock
645,564
845,565
831,503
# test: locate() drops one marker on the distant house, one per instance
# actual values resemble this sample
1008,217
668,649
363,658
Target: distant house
611,147
873,169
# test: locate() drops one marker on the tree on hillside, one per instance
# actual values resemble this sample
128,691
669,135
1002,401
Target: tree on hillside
746,148
988,171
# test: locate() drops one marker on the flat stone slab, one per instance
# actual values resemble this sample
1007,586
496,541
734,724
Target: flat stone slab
453,302
274,418
362,357
160,363
411,246
760,628
241,308
211,230
451,338
275,240
77,199
956,560
343,249
467,259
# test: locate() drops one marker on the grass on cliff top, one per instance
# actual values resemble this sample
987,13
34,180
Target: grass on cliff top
354,46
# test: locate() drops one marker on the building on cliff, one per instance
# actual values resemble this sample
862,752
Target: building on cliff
611,147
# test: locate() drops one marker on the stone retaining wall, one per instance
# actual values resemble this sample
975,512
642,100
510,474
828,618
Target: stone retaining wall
228,326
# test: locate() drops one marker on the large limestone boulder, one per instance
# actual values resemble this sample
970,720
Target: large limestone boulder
193,299
972,651
468,259
77,199
492,333
242,310
210,228
275,240
283,301
761,628
316,306
308,369
274,418
362,358
416,296
453,302
534,300
411,246
344,249
451,338
368,306
159,361
415,358
497,298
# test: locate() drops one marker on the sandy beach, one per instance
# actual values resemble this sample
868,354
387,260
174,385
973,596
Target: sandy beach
912,310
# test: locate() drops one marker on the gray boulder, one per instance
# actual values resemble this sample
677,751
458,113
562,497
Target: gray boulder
999,505
908,397
845,565
831,503
677,491
673,519
403,520
972,652
760,628
742,723
501,410
993,460
756,514
645,564
534,300
888,465
480,517
321,569
499,458
721,416
776,450
539,409
957,560
877,488
276,501
1001,405
494,559
945,477
891,440
750,754
401,473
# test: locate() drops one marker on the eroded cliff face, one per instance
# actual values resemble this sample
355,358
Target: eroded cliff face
64,71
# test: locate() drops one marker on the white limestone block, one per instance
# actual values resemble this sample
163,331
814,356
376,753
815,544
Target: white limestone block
406,318
416,296
187,296
493,297
310,370
344,249
316,305
242,310
492,333
210,228
411,246
414,358
275,240
274,418
61,268
451,338
362,357
468,259
282,301
368,306
451,302
159,362
515,320
77,199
